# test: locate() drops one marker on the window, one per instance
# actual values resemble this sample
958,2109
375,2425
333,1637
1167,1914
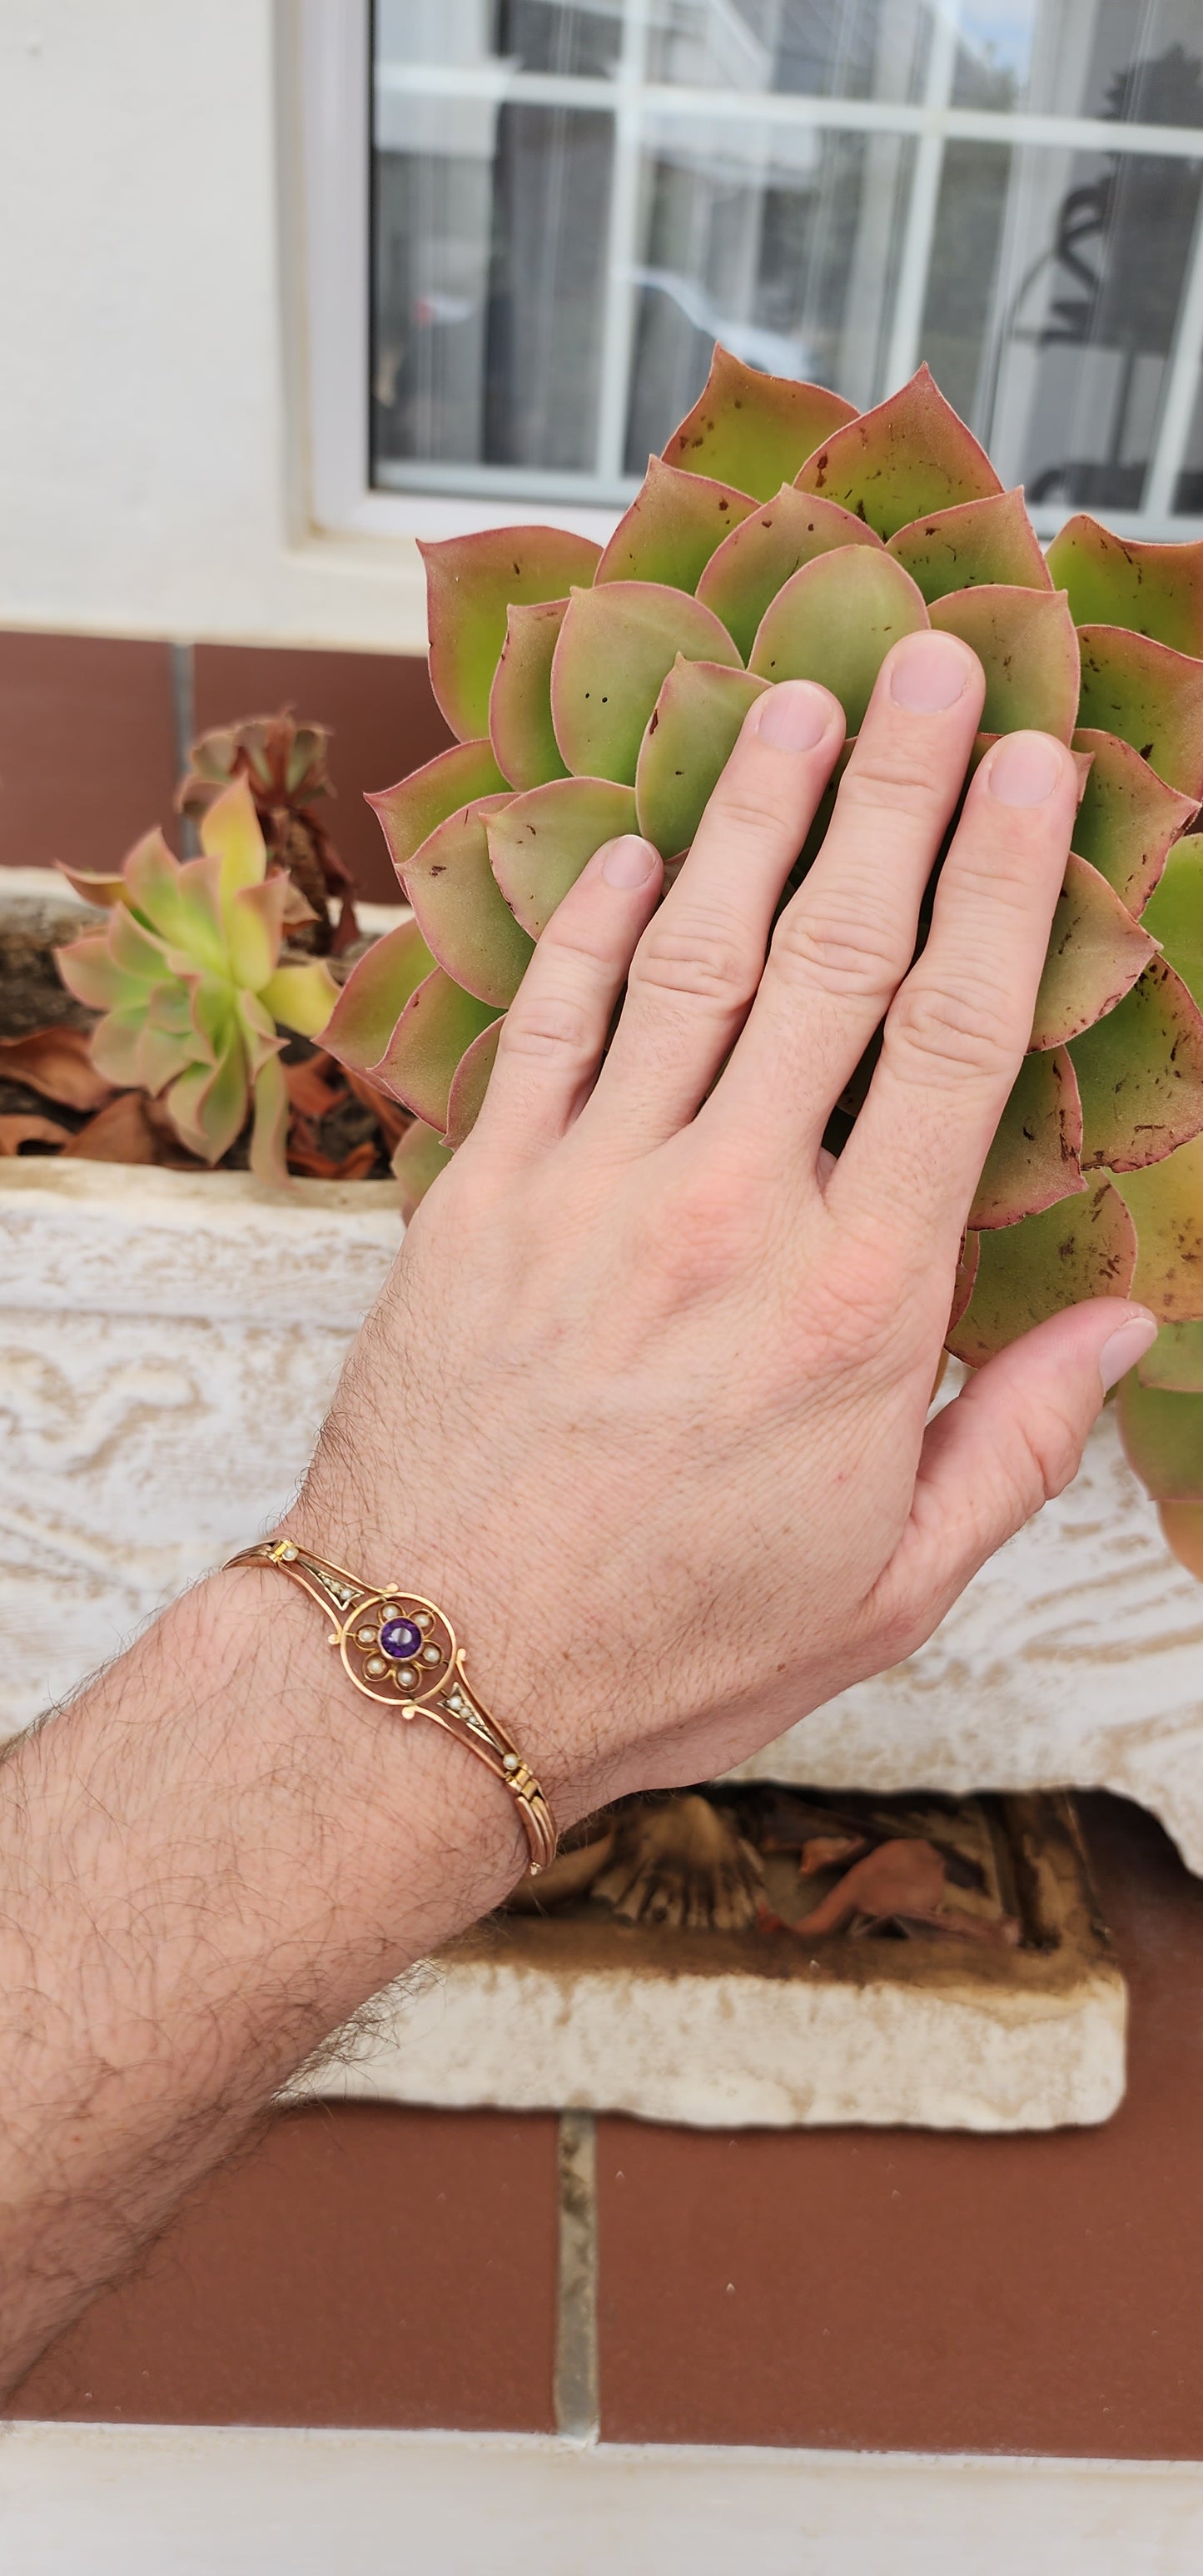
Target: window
558,208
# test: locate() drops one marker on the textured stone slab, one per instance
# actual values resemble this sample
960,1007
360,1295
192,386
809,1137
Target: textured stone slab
742,2030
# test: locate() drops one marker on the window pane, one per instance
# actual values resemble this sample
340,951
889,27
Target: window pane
816,48
1135,59
490,244
1052,305
771,241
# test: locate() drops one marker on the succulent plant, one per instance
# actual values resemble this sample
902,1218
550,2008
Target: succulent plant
781,535
285,766
187,974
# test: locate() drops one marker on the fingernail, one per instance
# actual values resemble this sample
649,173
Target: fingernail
628,862
1126,1347
794,716
929,672
1025,769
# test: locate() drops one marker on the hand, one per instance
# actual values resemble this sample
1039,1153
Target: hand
645,1401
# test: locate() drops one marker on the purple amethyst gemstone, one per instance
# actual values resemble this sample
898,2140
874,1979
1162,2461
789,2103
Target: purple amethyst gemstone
401,1639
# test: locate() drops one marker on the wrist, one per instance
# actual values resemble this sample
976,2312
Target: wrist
417,1835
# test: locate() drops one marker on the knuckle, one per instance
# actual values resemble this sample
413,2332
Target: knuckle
735,807
852,953
546,1023
949,1030
700,957
1050,1453
875,785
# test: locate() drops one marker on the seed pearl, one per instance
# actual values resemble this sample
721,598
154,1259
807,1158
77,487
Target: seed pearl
375,1664
407,1680
288,1553
423,1618
431,1655
510,1762
365,1636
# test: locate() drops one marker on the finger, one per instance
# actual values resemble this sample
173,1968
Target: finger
554,1034
1011,1440
843,945
956,1031
700,960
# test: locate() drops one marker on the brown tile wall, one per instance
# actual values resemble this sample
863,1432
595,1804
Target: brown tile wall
359,2266
88,750
379,706
87,747
842,2288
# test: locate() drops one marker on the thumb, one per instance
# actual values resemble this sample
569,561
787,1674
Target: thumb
1009,1441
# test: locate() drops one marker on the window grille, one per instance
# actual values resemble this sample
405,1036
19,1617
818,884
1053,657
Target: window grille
570,203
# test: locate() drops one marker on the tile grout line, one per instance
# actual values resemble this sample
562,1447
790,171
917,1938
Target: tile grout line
576,2365
183,714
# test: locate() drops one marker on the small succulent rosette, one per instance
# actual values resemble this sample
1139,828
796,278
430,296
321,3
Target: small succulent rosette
784,536
188,976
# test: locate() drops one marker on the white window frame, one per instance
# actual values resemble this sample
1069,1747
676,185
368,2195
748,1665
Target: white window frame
335,121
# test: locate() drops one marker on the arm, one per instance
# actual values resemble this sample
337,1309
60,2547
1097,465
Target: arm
643,1404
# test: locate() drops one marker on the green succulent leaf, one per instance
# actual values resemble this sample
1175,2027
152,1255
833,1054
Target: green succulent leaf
202,941
374,996
1176,1359
1166,1205
91,972
461,911
672,528
151,881
691,733
138,956
988,541
469,1083
520,726
436,1027
418,1161
1127,818
1028,649
254,929
1140,1074
411,811
616,646
116,1046
1151,697
1118,581
756,560
471,584
753,431
1174,912
903,461
539,843
835,621
1033,1161
269,1129
208,1104
1082,1247
302,997
1162,1433
1095,953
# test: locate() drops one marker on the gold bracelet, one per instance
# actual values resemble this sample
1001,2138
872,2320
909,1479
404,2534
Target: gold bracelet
401,1650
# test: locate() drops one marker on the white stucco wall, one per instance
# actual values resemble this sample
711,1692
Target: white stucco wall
152,473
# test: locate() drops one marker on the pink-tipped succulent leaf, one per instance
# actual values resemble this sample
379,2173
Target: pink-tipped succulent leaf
783,536
188,976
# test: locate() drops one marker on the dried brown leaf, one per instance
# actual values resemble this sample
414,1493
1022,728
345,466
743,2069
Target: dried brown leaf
57,1063
131,1129
904,1877
20,1127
